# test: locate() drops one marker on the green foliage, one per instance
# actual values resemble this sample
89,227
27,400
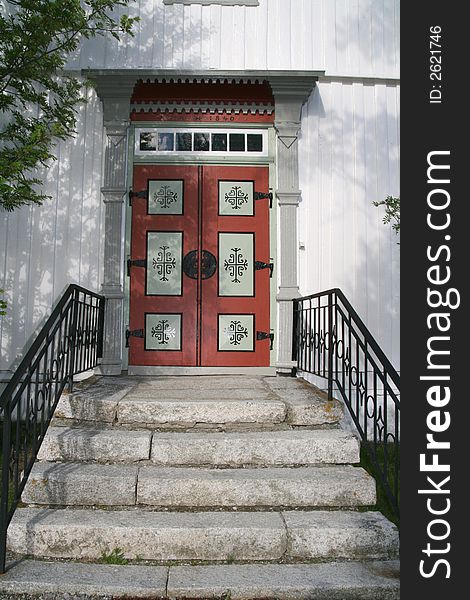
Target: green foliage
38,101
389,466
115,557
392,211
3,304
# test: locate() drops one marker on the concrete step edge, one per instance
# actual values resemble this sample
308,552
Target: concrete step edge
202,536
376,580
299,446
83,484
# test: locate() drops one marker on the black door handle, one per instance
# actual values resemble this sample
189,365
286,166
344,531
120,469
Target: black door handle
208,264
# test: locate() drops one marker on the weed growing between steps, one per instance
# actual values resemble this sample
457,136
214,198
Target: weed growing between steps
115,557
383,503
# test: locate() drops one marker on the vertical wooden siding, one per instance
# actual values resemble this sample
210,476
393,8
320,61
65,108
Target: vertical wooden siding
348,153
43,249
345,37
349,157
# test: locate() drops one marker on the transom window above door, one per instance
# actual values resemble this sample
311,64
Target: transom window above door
171,141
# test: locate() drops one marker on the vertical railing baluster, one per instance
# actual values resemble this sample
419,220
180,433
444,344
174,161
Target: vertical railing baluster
89,352
41,372
337,343
375,410
306,348
364,405
94,354
80,339
343,369
357,378
72,339
101,327
5,495
350,363
330,346
397,454
385,418
295,336
51,394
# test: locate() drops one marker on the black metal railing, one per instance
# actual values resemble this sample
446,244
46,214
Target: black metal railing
332,342
70,342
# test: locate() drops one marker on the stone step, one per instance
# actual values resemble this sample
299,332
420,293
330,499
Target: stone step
189,412
264,487
160,536
264,448
153,404
372,580
40,580
201,536
118,485
80,484
339,534
165,411
204,382
101,445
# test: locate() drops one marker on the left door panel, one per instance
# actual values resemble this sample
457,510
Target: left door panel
163,302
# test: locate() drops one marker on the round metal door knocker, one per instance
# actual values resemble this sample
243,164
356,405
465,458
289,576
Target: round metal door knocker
190,264
208,264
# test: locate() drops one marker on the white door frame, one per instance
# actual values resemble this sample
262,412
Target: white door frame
290,89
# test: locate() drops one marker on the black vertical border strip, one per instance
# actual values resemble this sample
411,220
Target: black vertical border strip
428,127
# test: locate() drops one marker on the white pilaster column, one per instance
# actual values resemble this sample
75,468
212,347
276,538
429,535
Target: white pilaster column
114,188
289,96
288,195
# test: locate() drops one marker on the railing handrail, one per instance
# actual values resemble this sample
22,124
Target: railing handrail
331,341
22,368
392,372
69,342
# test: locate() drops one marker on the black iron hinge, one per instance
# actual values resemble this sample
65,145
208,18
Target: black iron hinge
259,265
143,194
262,195
135,262
134,333
263,335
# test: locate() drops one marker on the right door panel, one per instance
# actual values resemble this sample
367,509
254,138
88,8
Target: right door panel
235,303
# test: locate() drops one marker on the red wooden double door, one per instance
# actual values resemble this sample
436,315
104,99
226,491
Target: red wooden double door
199,266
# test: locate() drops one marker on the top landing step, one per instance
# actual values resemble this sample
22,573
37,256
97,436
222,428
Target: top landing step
205,401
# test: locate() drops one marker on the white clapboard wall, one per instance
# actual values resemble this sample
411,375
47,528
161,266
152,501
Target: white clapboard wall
346,37
348,153
349,157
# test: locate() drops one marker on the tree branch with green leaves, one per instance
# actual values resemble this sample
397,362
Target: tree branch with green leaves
38,102
3,305
392,211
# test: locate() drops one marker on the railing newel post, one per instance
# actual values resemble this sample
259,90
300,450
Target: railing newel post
73,340
295,351
101,311
4,506
330,346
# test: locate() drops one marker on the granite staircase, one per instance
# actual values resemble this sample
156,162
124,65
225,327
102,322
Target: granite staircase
206,487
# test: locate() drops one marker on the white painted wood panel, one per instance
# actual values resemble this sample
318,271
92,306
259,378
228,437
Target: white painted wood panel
43,249
349,158
344,37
